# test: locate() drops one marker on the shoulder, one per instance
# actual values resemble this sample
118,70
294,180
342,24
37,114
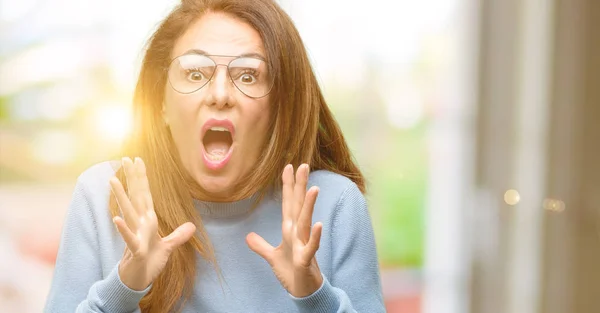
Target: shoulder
97,176
343,210
333,183
337,193
88,230
93,187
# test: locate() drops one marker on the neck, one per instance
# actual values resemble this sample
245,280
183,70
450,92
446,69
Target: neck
220,209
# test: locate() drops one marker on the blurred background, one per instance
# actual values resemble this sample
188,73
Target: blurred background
476,122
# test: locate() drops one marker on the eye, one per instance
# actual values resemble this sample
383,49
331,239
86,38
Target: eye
195,76
247,78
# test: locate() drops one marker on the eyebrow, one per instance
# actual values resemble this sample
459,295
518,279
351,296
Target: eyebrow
243,55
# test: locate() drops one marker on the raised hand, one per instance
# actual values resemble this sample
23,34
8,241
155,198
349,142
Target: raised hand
146,253
293,261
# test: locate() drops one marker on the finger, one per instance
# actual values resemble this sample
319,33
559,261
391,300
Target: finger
260,246
139,194
180,235
315,240
305,218
300,189
123,202
133,189
128,168
148,228
288,192
126,233
144,185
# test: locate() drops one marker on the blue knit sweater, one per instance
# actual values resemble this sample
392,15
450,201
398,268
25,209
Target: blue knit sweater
86,277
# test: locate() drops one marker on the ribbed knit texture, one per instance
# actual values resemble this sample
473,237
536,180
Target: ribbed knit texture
86,277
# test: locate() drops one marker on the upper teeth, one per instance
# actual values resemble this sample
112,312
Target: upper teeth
219,129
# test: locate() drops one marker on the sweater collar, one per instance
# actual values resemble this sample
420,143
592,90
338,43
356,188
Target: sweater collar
225,209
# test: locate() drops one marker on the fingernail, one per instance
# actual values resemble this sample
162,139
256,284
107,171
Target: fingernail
307,169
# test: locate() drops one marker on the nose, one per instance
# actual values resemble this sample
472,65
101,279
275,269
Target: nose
220,88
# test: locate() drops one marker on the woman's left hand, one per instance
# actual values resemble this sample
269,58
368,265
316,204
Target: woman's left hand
293,261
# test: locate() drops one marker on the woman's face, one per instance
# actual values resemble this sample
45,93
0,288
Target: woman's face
218,130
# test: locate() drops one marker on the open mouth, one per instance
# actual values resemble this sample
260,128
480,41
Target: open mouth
217,142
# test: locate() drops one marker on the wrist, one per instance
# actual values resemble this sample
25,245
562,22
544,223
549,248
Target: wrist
308,284
133,275
324,299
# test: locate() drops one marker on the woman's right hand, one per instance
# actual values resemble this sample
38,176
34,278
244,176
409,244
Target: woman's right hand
146,252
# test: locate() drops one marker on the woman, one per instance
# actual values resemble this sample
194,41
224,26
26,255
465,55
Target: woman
211,214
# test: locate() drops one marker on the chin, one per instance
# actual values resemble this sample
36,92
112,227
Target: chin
216,185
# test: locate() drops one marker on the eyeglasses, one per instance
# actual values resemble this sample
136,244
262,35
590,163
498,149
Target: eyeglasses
188,73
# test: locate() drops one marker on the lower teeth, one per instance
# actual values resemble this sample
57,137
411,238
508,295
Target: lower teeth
215,157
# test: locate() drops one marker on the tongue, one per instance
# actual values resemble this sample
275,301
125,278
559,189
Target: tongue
217,143
217,148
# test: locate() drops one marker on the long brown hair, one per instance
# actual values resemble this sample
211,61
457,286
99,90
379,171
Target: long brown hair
302,130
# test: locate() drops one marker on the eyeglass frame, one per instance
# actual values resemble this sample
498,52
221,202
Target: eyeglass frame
234,57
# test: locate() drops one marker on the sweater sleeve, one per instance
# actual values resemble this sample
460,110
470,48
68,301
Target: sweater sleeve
77,284
354,285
